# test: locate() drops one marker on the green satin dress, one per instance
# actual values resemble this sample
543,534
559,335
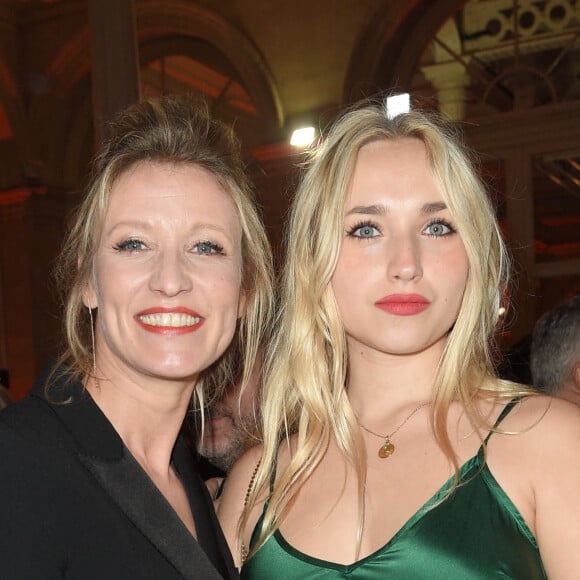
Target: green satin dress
475,534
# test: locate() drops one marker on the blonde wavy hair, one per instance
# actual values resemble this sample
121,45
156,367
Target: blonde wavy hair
304,393
174,130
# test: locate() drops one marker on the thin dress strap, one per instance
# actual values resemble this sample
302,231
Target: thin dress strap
260,521
503,415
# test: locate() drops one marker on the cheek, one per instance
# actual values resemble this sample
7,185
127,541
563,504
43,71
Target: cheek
227,291
113,284
458,279
339,287
345,289
353,274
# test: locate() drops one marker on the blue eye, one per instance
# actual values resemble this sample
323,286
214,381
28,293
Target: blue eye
207,248
439,229
130,245
364,231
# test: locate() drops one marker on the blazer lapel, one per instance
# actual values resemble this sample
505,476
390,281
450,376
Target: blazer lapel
99,447
143,504
208,528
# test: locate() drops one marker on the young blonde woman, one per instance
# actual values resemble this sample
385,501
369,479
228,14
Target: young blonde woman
391,449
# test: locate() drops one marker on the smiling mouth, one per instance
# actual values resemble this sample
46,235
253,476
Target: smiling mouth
170,320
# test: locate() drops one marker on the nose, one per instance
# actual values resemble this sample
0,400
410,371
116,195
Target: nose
404,260
171,274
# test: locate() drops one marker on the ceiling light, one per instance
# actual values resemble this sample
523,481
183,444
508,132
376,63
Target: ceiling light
398,104
303,137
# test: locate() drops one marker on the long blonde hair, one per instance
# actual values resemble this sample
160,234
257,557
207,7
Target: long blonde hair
305,383
169,129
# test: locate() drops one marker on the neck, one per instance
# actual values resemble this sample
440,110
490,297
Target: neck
381,384
147,415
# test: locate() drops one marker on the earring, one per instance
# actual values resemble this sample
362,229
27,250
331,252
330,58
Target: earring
93,341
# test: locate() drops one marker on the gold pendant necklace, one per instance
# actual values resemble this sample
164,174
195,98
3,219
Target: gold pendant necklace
387,448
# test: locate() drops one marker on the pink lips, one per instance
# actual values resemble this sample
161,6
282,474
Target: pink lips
176,320
403,304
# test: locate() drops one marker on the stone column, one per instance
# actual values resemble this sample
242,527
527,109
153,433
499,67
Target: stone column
449,80
16,324
48,212
115,59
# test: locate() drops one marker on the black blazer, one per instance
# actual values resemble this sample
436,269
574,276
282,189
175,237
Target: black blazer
75,504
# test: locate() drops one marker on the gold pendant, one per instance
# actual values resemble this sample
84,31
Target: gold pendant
386,450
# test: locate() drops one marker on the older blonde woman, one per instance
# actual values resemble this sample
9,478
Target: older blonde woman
165,259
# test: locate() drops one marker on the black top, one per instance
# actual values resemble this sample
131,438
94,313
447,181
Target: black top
77,505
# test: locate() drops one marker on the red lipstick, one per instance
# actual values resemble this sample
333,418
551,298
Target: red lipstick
403,304
176,320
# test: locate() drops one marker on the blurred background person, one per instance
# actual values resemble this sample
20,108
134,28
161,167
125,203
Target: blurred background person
515,364
555,352
231,422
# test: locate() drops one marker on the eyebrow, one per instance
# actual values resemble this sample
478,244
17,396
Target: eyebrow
368,210
434,207
146,226
427,208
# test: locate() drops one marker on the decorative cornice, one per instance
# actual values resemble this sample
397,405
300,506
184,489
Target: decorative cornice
491,32
545,129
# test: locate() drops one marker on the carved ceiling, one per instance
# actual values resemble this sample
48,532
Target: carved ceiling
488,57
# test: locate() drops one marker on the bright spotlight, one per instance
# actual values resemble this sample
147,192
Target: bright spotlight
303,137
398,104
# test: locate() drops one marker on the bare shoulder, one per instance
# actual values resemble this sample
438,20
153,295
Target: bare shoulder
557,484
543,433
233,498
543,420
549,433
239,477
538,465
236,487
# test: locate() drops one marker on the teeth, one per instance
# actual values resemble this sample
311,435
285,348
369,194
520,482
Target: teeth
172,319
